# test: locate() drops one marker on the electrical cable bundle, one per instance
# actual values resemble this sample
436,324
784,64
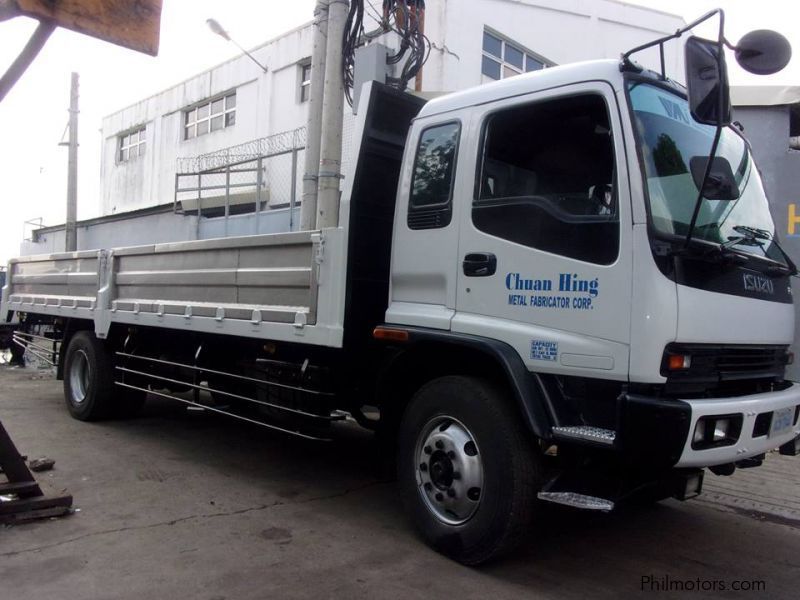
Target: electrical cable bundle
404,18
353,34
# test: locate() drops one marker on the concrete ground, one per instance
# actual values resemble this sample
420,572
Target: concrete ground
186,505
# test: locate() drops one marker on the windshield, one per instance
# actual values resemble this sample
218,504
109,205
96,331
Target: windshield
669,139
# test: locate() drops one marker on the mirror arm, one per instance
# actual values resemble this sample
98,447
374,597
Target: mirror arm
660,41
702,19
699,201
721,41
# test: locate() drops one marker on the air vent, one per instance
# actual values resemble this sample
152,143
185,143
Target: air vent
429,219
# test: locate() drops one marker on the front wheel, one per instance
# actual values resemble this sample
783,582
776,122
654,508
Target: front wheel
467,470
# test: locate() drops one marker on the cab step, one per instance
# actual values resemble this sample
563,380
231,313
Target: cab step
577,500
586,433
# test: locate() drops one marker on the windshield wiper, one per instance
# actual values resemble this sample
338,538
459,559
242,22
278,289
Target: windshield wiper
749,236
752,236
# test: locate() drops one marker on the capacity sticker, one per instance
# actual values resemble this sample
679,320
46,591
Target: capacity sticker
543,350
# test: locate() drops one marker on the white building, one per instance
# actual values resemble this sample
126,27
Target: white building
231,113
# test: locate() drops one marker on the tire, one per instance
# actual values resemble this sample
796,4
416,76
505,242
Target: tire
89,390
468,436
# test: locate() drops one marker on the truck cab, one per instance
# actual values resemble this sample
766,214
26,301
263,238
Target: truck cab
545,220
551,218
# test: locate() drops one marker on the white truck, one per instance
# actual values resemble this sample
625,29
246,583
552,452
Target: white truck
541,289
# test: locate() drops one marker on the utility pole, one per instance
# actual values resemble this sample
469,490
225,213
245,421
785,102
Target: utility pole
308,206
72,172
330,161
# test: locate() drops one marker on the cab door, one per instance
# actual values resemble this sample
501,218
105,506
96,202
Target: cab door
545,235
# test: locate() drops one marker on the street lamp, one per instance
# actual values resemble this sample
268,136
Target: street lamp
215,27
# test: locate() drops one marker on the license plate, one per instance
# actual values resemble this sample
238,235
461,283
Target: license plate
781,421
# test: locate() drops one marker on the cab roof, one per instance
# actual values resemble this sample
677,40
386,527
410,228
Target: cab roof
594,70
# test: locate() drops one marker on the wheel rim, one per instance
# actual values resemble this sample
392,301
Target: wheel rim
449,470
79,377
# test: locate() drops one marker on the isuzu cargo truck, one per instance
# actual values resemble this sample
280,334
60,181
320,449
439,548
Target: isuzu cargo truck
560,287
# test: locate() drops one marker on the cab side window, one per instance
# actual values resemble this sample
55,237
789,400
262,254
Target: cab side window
547,180
431,201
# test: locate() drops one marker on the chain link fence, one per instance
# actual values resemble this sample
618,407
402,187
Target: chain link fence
257,176
261,175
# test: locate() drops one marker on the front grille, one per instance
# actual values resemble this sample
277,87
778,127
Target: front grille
729,368
749,361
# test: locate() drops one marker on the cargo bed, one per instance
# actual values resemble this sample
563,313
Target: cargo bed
264,286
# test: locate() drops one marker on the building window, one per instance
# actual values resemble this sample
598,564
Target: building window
132,144
546,179
305,82
502,59
211,115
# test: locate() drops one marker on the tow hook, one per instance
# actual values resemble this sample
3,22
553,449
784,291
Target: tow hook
753,461
726,469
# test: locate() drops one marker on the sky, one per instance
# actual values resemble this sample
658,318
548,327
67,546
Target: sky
33,116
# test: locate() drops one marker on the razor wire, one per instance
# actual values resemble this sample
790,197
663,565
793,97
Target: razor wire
279,143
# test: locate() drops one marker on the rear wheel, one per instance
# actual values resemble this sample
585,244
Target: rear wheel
89,390
466,468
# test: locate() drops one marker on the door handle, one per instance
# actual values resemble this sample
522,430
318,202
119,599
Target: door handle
480,264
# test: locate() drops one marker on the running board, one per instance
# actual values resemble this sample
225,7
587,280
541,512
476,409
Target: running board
586,433
576,500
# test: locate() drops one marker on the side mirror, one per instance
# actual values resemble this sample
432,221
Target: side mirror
763,52
706,81
721,184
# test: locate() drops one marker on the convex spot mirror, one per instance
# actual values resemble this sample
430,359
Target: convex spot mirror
707,82
763,52
721,184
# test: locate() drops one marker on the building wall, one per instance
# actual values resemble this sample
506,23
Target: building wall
161,227
266,103
166,227
767,129
561,31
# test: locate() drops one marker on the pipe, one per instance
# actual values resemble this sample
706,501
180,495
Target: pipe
330,160
419,11
308,205
25,58
72,172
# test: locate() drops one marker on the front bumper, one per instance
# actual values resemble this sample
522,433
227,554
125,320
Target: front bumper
751,441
